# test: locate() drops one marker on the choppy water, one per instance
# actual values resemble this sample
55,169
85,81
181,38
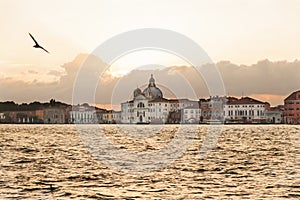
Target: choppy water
247,162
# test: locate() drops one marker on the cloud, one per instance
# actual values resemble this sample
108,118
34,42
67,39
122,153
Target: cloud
55,73
267,80
32,72
264,77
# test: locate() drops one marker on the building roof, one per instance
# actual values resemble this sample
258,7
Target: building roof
159,100
231,99
83,108
277,108
173,100
245,100
192,107
292,96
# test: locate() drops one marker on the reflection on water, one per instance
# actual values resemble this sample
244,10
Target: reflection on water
247,162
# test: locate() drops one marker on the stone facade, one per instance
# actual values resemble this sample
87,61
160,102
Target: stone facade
245,110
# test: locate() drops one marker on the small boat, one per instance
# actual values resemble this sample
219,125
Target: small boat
143,123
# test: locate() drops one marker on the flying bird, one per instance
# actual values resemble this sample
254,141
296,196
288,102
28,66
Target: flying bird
37,44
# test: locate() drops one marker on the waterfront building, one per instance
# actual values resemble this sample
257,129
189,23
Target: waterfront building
212,109
292,108
83,114
149,106
191,114
275,115
174,117
54,115
24,117
111,117
116,117
99,114
245,110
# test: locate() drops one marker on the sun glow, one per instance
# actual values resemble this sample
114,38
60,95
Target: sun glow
144,60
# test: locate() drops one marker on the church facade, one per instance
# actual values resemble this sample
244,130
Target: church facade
149,106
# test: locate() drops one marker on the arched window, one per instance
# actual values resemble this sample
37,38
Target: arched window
141,105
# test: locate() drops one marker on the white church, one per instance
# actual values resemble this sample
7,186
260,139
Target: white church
149,106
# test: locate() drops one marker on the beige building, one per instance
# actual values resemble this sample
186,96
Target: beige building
54,115
245,110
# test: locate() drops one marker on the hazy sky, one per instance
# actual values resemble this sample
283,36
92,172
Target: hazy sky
240,31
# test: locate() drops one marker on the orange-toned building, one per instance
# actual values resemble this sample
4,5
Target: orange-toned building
291,111
31,116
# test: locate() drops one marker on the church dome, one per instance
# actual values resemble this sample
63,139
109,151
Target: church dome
152,92
137,92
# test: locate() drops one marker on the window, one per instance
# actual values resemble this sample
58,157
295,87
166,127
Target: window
141,105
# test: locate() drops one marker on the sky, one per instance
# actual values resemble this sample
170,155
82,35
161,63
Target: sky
241,32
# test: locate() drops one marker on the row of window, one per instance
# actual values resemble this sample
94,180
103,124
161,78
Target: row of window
191,111
210,113
150,110
82,115
293,108
132,118
142,105
292,102
246,106
244,112
191,116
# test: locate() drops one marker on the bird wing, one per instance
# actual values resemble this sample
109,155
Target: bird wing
44,49
34,39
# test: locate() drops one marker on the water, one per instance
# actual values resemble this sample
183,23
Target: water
247,162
